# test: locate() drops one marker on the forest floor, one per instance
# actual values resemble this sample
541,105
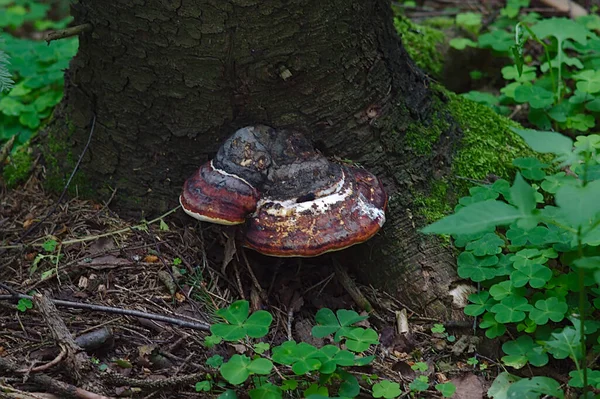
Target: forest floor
81,252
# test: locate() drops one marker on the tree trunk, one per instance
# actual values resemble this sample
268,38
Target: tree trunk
169,80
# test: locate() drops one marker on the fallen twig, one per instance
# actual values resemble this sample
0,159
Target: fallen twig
125,312
68,32
64,389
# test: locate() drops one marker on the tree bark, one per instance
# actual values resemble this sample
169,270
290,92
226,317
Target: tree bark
169,80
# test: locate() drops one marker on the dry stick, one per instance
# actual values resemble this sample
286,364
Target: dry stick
76,359
68,32
6,148
125,312
351,287
61,355
64,389
64,192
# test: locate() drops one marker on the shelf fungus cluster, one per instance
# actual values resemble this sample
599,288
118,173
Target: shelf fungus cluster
291,200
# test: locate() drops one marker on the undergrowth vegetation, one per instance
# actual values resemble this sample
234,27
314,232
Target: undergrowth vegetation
31,74
531,245
556,74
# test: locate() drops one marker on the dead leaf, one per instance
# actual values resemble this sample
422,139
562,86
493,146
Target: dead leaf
239,348
27,223
166,279
150,259
105,261
228,252
468,386
179,297
101,245
30,256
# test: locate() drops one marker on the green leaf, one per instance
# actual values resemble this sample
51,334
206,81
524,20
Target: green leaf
579,205
349,387
257,325
289,385
489,244
562,29
327,323
261,347
493,328
24,304
359,339
536,96
480,302
266,391
461,43
593,378
501,384
523,350
228,332
203,386
499,40
505,289
215,361
49,245
386,389
349,317
260,366
212,340
565,343
236,370
588,81
535,274
511,309
546,142
421,383
531,168
551,308
447,389
534,388
475,218
228,394
476,268
236,313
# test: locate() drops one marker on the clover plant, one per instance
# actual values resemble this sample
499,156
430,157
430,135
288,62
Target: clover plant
561,89
533,248
31,71
314,372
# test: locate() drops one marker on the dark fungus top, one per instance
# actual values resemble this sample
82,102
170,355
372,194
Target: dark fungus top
293,200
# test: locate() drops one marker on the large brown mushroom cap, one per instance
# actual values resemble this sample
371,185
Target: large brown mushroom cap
213,195
294,201
348,212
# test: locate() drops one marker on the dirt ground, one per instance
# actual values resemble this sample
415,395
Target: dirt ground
78,252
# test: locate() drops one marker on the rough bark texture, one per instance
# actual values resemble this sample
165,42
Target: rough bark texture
169,80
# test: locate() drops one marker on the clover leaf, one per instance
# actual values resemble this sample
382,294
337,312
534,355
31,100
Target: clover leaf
535,274
489,244
328,323
506,289
551,308
531,168
359,339
588,81
239,324
386,389
523,350
536,96
239,367
476,268
265,391
480,302
493,328
511,309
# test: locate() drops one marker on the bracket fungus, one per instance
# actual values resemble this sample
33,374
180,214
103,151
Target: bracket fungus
291,200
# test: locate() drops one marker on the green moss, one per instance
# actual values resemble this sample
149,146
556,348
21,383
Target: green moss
439,22
59,160
421,136
19,167
436,204
488,145
422,44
